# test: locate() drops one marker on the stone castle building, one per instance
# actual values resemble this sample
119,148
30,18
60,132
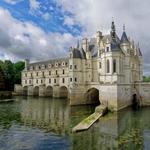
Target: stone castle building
105,69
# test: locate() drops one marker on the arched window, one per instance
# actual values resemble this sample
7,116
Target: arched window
108,66
114,66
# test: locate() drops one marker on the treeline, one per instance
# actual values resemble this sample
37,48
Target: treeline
146,78
12,73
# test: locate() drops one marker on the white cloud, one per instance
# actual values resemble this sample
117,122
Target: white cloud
34,4
69,21
12,1
20,40
93,15
46,16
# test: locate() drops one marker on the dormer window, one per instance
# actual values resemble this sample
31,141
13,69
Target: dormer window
56,64
63,63
37,67
43,66
49,66
31,68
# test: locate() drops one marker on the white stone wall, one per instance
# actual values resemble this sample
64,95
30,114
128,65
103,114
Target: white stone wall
144,91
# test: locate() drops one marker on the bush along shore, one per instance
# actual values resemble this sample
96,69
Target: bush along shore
5,95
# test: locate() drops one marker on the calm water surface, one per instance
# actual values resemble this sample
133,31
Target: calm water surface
45,124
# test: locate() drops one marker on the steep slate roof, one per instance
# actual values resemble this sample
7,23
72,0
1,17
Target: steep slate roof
93,47
124,38
115,46
76,53
140,53
51,61
83,53
115,42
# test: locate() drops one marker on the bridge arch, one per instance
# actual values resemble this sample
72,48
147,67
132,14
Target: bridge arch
92,96
25,90
36,91
63,92
49,91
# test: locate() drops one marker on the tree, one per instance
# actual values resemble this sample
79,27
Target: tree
18,67
12,73
2,80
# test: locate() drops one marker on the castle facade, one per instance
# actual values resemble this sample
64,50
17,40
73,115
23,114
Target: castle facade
105,69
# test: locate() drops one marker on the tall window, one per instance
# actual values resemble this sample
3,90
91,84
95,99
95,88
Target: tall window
108,66
37,74
49,72
70,66
114,66
37,81
75,66
63,71
63,80
49,80
70,79
75,79
56,72
54,80
100,65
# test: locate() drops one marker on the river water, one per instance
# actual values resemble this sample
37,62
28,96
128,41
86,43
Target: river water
45,124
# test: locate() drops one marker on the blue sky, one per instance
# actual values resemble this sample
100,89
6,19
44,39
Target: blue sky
54,15
43,29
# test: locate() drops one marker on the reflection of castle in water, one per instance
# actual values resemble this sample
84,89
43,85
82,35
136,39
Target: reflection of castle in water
51,115
123,130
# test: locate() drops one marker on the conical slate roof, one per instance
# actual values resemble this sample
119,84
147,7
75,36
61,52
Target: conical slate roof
140,53
124,38
115,46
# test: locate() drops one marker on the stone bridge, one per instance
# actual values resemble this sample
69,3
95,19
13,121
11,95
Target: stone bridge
115,96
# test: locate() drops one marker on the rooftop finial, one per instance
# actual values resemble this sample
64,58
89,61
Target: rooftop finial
113,29
124,28
78,45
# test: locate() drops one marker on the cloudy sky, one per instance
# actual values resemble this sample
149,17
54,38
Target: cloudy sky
43,29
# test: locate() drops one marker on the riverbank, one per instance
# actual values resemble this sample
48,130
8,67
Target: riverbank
5,95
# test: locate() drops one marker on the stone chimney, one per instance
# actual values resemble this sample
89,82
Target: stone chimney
26,64
85,44
98,36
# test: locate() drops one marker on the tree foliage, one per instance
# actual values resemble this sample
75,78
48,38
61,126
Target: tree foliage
12,73
146,78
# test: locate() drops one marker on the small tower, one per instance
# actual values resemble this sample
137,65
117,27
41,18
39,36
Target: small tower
125,41
124,38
